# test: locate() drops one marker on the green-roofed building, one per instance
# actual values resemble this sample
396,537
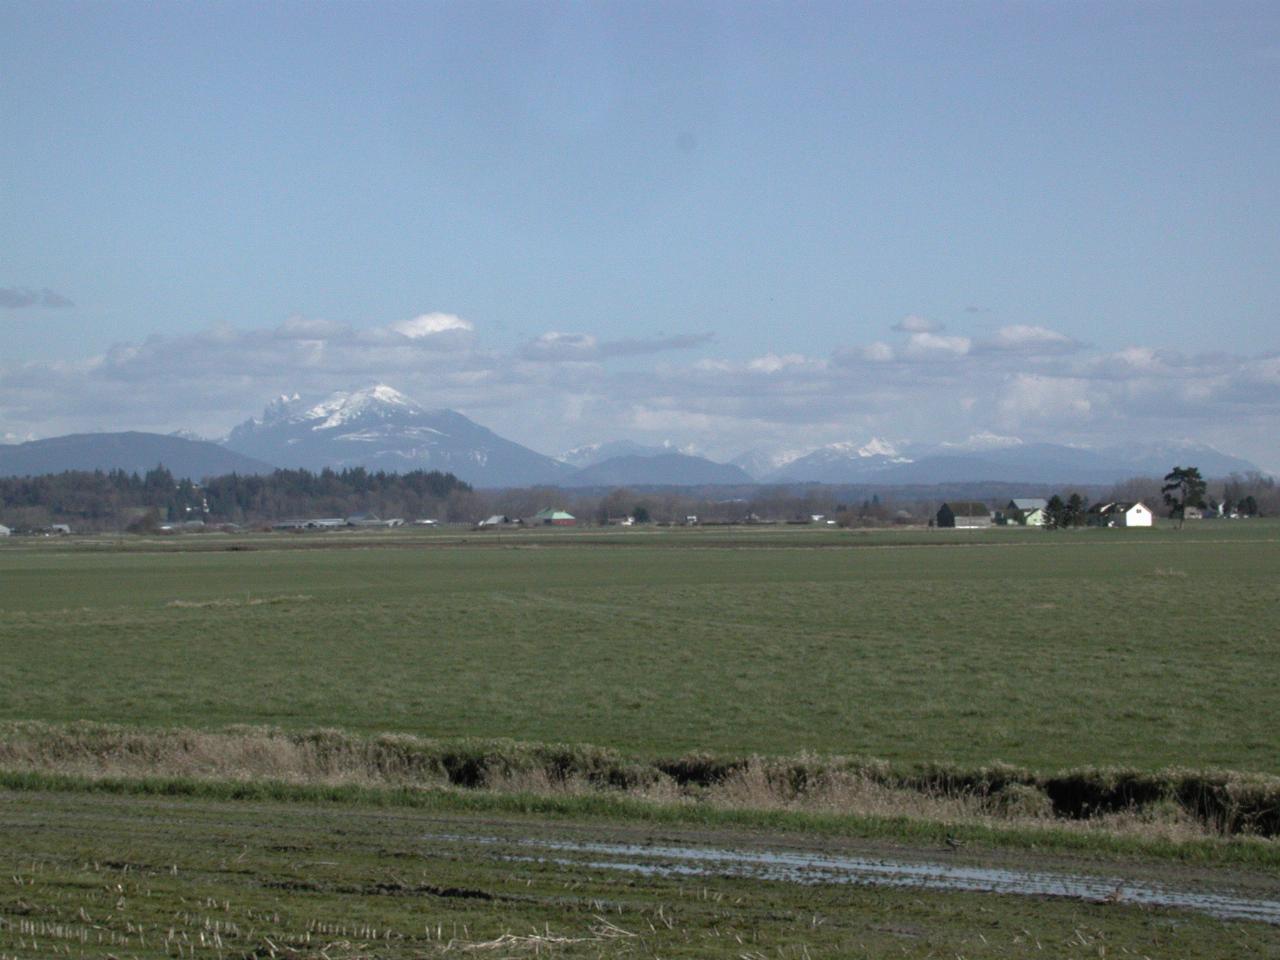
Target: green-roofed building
554,518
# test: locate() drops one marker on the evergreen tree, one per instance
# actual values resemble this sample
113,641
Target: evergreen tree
1183,488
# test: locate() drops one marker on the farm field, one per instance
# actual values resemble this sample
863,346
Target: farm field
165,827
1048,650
90,876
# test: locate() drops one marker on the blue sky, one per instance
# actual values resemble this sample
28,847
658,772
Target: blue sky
726,225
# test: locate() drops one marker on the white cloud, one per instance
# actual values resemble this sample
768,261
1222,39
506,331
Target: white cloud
772,362
877,352
431,324
554,345
1030,339
923,346
914,323
302,328
1031,397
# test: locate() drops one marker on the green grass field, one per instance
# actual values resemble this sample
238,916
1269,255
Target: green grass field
1142,648
1138,648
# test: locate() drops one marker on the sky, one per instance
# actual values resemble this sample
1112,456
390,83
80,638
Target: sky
724,225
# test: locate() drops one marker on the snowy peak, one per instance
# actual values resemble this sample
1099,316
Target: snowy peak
338,409
342,408
759,463
593,453
845,462
379,428
875,447
281,408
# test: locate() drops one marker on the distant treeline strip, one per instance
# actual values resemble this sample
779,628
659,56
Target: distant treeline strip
1170,804
112,498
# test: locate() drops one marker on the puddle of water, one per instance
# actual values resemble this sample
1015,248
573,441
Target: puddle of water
805,868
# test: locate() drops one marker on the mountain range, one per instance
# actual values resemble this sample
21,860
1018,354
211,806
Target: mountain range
657,470
380,428
131,451
880,462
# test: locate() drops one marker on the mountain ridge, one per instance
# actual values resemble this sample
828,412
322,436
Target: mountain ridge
380,428
664,469
133,451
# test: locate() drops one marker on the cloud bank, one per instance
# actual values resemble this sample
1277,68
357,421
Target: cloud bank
564,388
22,298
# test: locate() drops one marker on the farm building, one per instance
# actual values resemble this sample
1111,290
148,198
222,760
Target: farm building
554,518
964,514
314,523
1026,511
497,520
372,520
1120,515
4,531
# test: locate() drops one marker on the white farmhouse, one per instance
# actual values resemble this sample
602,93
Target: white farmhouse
1133,515
1120,515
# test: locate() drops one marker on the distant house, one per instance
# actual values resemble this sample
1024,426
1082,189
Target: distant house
1026,511
372,520
553,518
313,523
4,531
964,514
1119,514
182,526
61,529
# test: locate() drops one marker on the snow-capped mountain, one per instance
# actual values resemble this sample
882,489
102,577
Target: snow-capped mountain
845,462
759,464
989,459
593,453
380,428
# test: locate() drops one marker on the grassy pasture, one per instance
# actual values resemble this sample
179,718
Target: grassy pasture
1142,648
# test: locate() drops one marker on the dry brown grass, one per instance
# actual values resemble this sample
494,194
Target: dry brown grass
806,783
243,754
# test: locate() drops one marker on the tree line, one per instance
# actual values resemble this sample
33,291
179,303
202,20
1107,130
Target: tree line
116,499
1183,488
